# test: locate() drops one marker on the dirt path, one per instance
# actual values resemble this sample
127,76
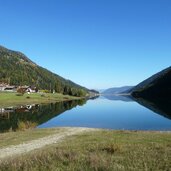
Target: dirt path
39,143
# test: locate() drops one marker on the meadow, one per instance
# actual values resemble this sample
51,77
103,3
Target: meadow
102,150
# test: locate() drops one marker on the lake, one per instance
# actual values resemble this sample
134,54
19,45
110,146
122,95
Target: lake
111,112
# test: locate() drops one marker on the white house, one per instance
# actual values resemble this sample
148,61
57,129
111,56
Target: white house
6,87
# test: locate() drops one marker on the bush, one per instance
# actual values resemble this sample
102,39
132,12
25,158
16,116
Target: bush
21,91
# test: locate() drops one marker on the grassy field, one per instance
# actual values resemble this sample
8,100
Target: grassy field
8,99
101,150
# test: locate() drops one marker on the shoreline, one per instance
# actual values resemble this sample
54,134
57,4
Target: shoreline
108,129
53,130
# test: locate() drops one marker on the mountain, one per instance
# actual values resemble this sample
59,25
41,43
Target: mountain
157,86
118,98
18,69
117,90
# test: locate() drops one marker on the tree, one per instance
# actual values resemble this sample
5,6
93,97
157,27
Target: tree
81,93
21,91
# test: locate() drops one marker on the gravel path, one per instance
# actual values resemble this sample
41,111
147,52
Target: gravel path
39,143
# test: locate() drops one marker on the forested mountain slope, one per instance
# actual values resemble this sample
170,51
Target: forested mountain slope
17,69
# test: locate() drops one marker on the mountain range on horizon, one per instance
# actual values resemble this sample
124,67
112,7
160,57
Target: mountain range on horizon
18,69
116,90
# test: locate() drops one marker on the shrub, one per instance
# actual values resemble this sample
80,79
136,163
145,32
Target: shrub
21,91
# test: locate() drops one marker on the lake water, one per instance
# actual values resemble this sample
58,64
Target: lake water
112,112
117,113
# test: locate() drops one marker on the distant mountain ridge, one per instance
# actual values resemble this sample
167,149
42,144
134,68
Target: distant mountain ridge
117,90
158,85
18,69
118,98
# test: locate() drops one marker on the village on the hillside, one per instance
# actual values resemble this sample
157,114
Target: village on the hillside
13,88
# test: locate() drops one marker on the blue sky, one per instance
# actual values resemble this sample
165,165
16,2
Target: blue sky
95,43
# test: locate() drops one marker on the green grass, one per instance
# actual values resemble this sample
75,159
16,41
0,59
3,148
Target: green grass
102,151
8,99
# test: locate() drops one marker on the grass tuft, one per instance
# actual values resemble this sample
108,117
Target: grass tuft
111,148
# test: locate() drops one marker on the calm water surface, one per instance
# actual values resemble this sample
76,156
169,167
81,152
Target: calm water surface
113,112
116,113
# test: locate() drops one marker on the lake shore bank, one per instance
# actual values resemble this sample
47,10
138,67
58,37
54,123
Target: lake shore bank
88,149
11,99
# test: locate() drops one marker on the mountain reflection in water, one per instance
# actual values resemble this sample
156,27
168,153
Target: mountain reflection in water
159,106
23,117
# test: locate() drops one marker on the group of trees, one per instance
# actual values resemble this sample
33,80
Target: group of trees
74,91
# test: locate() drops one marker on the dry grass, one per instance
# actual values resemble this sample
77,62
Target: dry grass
100,151
22,126
14,138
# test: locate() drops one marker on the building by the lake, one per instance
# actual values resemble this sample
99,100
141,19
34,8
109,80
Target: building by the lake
7,87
